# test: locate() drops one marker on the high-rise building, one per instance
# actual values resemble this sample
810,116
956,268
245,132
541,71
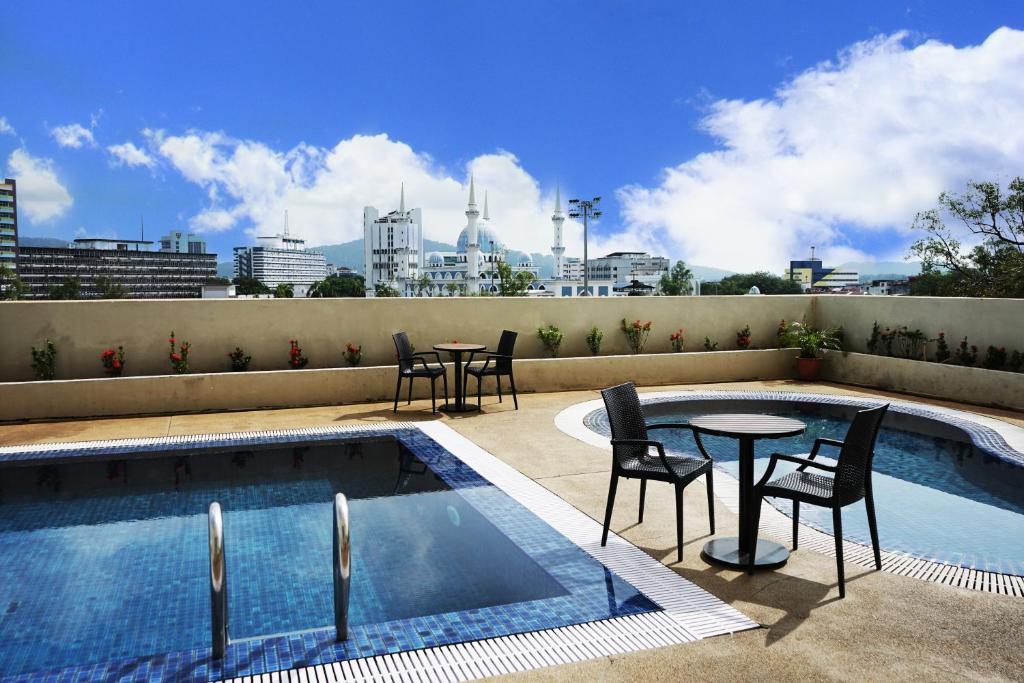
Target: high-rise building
392,247
130,264
182,243
9,223
281,259
811,275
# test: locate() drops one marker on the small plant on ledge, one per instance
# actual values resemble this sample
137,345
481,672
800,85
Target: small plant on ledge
594,337
678,341
995,358
178,355
965,355
1016,362
551,337
239,360
113,361
296,360
636,334
710,345
743,338
44,360
941,348
353,354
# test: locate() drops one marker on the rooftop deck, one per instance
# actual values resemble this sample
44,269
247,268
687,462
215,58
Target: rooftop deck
888,626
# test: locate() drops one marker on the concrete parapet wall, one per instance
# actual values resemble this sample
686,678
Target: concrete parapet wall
334,386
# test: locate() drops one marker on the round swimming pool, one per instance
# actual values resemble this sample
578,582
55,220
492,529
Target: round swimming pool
946,489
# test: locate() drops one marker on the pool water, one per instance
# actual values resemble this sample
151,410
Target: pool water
105,562
937,495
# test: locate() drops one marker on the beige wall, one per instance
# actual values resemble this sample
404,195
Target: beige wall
999,322
82,329
294,388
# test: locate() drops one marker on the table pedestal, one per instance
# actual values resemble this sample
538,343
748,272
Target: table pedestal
458,405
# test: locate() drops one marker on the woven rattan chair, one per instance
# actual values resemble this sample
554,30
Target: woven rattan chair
632,458
496,364
849,482
412,365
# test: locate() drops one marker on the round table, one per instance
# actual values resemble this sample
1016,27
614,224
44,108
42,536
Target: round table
734,551
457,349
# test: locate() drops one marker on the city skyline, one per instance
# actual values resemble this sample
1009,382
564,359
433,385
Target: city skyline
835,139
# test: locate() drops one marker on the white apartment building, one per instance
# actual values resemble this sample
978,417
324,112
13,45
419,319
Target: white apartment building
622,267
281,259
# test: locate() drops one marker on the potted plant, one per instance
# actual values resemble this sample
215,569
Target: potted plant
44,360
811,342
551,338
710,345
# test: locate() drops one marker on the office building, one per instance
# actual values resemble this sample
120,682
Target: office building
623,267
9,223
131,264
392,247
182,243
811,275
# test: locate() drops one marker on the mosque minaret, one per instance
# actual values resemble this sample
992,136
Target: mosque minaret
472,241
557,249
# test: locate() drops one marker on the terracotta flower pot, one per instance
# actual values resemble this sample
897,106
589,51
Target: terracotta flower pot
807,368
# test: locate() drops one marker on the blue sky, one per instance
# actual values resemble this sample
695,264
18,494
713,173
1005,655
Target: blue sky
611,98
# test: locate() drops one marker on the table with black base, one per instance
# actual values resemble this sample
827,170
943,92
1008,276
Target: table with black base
734,551
456,349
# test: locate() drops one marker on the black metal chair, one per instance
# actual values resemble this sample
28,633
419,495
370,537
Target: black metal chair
632,459
850,481
412,365
497,364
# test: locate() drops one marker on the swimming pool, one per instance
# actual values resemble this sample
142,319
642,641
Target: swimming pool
104,566
945,490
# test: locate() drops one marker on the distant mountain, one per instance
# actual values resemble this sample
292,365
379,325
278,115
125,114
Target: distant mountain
350,254
883,270
24,241
709,274
226,269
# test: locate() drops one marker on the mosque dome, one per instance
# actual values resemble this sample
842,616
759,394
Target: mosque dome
435,259
484,236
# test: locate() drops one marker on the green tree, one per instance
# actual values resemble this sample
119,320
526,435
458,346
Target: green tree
423,283
766,283
70,289
284,290
513,284
677,281
247,285
452,288
335,286
12,287
985,214
108,289
383,289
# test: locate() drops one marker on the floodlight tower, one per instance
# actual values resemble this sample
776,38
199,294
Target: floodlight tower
588,211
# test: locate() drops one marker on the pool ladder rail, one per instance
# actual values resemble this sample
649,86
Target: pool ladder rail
342,560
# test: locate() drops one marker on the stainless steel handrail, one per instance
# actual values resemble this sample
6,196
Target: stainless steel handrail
218,583
342,565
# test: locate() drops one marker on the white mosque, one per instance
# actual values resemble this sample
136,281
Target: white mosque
393,255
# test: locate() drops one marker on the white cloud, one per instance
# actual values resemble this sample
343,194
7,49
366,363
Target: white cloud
6,128
127,154
856,145
249,184
41,196
73,135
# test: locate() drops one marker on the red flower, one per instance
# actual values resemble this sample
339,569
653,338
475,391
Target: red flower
172,340
117,364
175,357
